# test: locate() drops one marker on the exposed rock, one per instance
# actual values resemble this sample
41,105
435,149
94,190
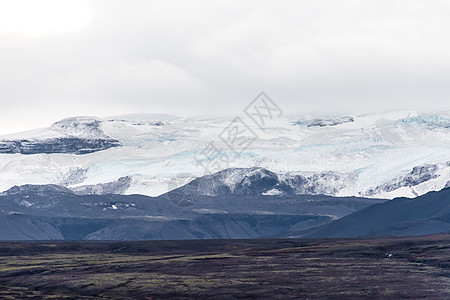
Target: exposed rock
71,145
330,122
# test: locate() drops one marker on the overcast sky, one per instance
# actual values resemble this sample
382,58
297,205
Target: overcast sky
67,58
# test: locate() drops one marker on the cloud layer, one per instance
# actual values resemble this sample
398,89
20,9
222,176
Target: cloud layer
213,57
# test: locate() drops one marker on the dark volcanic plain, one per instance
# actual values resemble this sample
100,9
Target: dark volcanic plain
228,269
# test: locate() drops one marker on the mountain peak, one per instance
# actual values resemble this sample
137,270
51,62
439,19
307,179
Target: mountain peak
81,127
39,190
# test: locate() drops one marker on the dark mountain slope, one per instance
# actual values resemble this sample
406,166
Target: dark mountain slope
426,214
52,212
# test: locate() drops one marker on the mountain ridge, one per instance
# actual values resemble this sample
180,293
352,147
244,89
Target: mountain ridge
426,214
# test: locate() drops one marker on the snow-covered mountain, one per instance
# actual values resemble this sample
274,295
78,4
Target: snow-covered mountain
420,180
376,155
258,181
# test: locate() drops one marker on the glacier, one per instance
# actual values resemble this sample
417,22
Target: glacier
379,155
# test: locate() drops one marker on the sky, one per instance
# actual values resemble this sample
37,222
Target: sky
204,58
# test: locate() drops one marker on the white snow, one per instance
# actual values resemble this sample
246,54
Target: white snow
272,192
375,147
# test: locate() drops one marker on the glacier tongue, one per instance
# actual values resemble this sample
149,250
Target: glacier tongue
421,179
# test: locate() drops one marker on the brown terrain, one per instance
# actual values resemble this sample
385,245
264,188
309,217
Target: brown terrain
387,268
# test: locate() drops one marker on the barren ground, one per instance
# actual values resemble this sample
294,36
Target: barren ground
228,269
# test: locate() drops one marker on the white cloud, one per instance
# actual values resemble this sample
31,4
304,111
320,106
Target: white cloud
205,57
